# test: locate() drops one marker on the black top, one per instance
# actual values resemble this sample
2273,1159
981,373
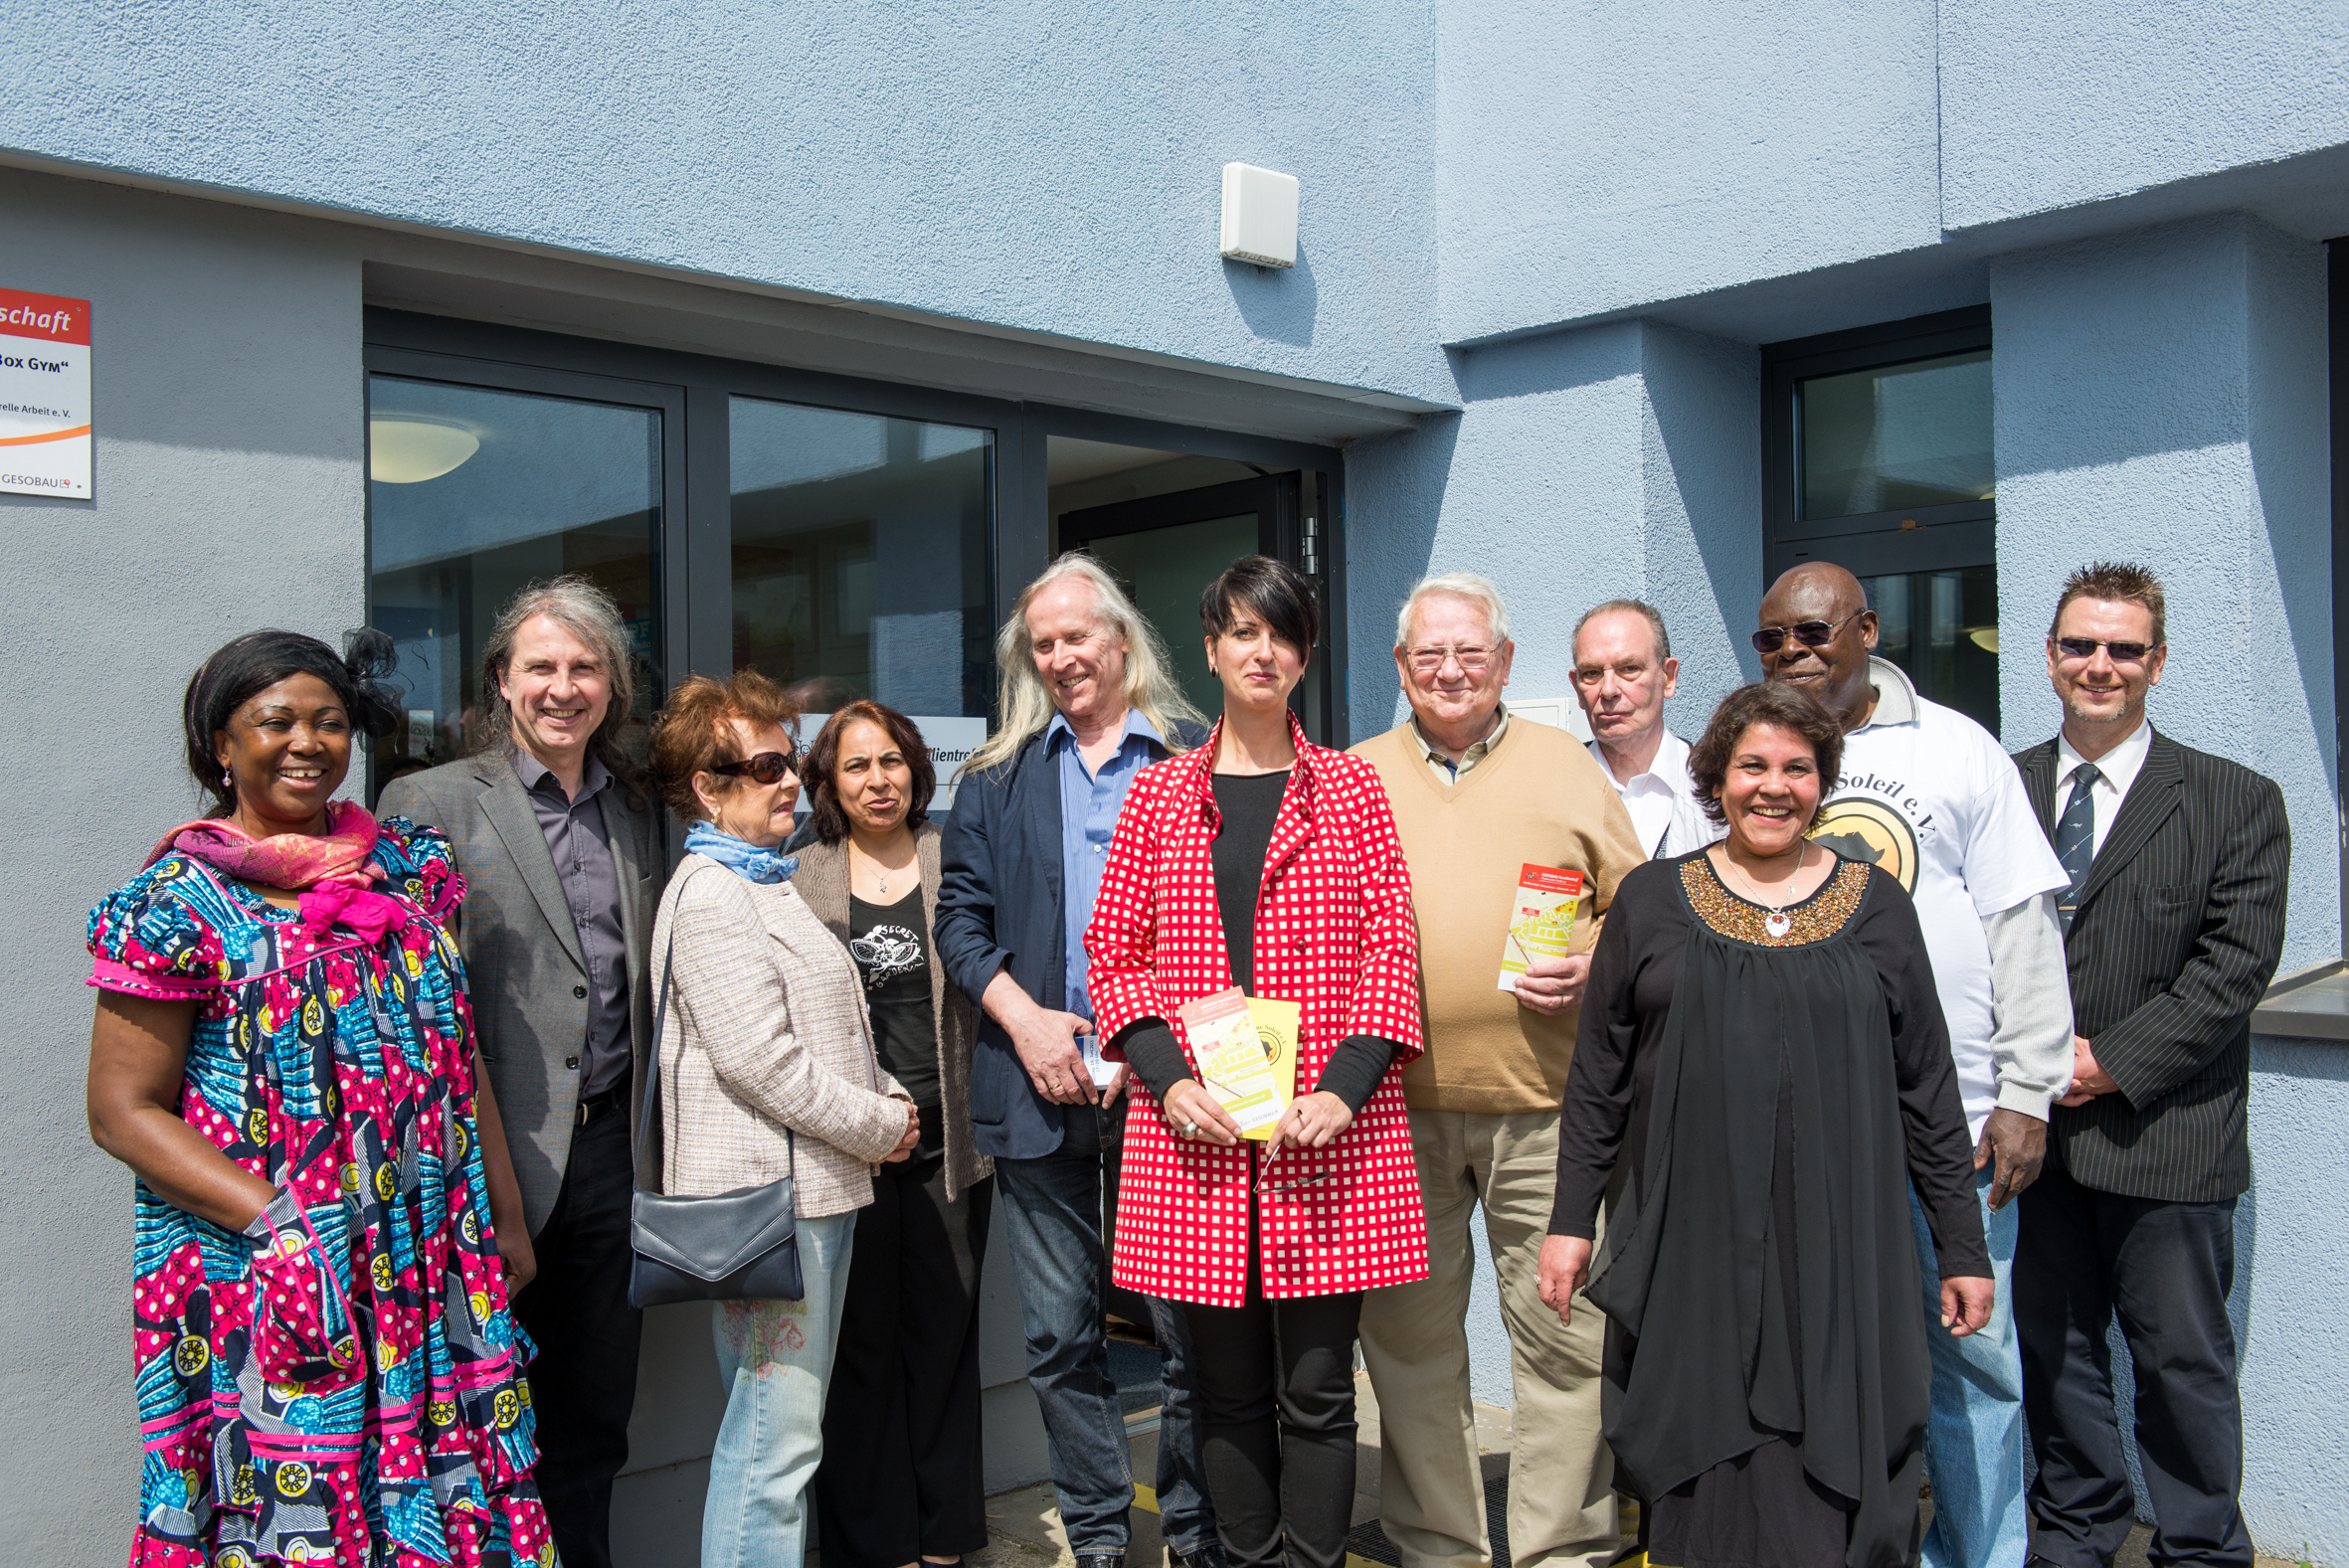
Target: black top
580,843
891,945
1250,803
1775,1093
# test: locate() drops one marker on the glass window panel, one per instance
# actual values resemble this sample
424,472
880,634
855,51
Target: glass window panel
1166,570
473,493
1894,437
1942,628
862,564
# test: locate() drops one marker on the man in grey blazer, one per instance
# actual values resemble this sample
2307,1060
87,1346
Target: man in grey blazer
2172,927
563,863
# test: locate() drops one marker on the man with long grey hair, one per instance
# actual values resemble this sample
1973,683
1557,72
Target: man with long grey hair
1087,702
561,859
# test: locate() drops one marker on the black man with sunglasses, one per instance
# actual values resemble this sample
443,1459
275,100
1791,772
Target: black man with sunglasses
1929,795
2173,924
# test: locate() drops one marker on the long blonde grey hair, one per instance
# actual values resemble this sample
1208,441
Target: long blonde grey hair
1025,704
587,609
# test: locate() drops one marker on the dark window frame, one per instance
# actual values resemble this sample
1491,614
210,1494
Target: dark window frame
1877,544
694,560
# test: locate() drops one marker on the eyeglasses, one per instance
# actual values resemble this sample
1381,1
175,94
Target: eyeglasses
2086,648
1810,634
767,768
1473,660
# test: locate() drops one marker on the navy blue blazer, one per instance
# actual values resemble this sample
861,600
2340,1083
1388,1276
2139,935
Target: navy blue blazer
1000,907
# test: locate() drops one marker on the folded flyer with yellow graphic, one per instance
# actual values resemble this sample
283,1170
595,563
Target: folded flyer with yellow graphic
1245,1048
1541,921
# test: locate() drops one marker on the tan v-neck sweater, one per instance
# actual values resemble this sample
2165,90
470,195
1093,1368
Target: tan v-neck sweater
1535,799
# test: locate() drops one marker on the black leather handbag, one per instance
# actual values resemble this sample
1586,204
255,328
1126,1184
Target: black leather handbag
734,1246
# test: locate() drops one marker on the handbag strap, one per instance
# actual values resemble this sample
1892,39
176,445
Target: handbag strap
647,1116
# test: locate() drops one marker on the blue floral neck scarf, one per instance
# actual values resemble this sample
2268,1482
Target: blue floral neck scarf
743,858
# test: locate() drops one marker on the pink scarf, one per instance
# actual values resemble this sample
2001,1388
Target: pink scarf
332,871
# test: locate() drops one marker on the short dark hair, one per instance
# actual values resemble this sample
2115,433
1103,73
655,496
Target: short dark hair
1781,707
1273,591
687,737
823,763
258,660
2123,581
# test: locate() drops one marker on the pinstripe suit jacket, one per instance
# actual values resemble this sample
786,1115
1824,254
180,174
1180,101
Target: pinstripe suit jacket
524,970
2179,928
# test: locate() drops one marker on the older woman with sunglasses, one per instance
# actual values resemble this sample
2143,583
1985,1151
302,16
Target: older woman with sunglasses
767,1070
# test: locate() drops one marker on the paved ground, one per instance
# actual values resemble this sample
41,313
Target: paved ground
1025,1532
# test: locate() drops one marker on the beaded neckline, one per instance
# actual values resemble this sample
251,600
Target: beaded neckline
1826,910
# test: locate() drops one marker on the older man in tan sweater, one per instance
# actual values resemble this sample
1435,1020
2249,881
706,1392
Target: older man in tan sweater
1477,795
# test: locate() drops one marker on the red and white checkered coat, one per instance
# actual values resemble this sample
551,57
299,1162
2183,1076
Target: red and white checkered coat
1334,933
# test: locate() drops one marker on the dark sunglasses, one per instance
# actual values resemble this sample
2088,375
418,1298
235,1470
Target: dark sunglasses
1810,634
2086,648
767,768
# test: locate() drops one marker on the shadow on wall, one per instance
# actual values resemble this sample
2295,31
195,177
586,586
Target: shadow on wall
1396,484
1277,302
1705,536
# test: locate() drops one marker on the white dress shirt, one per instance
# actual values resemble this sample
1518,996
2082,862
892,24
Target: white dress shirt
2117,770
1663,804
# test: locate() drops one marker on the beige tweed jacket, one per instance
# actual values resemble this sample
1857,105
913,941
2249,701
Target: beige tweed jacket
766,1030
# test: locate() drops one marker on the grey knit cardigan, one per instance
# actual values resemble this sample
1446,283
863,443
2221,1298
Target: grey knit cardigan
823,880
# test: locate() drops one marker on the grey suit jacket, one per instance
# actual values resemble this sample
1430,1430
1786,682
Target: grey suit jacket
524,970
823,880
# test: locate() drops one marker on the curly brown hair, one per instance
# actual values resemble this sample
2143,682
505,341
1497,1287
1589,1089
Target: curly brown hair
688,734
824,765
1780,707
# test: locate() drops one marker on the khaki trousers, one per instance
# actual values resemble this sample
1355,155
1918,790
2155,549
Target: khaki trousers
1431,1492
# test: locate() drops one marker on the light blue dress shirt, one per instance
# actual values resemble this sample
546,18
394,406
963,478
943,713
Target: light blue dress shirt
1088,807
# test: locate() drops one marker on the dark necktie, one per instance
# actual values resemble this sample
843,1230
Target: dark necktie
2075,839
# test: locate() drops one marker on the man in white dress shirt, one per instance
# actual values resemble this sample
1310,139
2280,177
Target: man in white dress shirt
1623,673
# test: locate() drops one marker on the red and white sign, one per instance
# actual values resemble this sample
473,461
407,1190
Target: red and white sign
44,395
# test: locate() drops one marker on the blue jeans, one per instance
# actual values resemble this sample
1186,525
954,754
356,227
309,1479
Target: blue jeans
1974,1436
1052,1218
777,1357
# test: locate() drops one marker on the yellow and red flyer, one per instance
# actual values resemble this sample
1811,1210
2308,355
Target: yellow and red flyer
1236,1065
44,395
1541,921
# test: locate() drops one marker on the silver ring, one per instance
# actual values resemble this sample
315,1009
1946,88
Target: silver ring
1191,1130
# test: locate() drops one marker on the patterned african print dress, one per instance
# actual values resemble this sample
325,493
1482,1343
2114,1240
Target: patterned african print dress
347,1390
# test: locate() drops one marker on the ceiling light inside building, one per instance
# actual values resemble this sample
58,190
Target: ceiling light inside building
412,451
1983,637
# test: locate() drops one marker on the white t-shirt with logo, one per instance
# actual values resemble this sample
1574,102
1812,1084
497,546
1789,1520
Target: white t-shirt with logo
1933,797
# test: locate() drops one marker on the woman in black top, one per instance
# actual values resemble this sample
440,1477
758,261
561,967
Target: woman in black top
901,1474
1763,1047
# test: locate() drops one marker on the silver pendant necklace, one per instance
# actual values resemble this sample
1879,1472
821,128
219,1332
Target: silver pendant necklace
1776,922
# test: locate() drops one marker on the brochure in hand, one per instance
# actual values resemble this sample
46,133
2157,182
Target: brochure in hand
1542,922
1245,1049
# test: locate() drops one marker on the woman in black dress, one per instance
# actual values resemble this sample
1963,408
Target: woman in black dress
901,1476
1762,1048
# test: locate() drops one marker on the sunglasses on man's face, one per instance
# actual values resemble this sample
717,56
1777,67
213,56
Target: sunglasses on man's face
1810,634
2086,648
767,768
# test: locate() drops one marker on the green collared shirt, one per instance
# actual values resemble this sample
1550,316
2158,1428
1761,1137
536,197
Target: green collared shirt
1445,769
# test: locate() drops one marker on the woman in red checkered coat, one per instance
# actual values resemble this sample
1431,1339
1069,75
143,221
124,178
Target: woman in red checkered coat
1263,861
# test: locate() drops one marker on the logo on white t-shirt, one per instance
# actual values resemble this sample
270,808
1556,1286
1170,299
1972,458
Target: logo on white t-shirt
1860,828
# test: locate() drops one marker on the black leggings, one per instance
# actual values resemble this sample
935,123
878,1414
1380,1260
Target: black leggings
1276,1404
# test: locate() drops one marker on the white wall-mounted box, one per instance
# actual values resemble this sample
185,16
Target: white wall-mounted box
1259,215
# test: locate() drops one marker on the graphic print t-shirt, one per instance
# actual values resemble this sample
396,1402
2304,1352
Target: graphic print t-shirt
891,945
1937,802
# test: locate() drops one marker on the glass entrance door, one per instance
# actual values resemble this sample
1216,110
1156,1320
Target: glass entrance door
1166,548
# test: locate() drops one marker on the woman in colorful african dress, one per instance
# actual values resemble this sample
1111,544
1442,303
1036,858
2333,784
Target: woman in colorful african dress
327,1226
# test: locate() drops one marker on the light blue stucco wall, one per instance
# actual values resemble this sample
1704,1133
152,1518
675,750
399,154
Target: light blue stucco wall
1040,165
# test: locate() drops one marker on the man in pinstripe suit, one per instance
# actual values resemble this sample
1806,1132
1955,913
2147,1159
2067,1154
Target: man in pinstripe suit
2173,925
